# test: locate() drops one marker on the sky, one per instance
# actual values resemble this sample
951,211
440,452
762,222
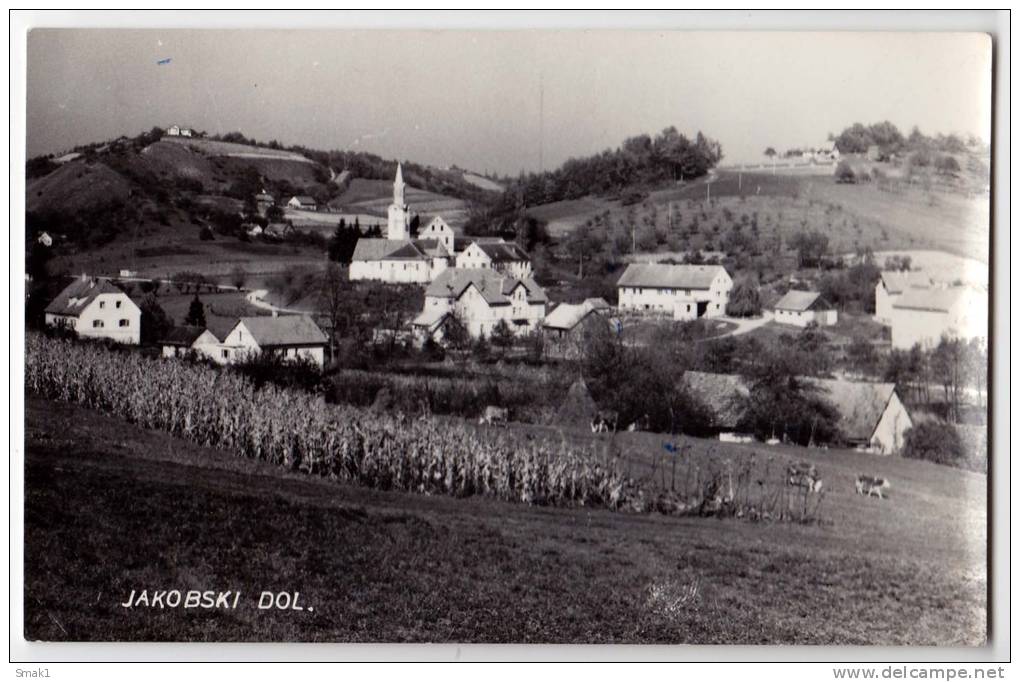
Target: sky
500,101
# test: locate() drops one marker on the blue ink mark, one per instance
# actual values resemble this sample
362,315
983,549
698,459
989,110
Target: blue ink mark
164,61
669,447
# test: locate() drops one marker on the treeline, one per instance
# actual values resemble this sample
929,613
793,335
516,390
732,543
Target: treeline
857,138
640,161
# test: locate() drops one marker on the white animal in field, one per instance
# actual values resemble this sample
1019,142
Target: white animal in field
495,416
869,485
604,421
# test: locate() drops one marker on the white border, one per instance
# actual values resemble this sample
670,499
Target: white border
994,23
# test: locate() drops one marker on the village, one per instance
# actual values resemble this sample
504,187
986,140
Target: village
483,289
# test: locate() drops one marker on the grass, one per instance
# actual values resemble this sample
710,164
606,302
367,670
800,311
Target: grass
112,508
888,217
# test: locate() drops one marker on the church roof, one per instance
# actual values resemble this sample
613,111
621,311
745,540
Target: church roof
374,248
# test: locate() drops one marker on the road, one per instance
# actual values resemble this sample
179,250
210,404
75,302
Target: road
745,324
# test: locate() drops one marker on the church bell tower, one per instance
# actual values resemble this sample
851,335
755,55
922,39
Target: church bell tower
399,220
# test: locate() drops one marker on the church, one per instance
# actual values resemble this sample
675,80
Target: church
401,259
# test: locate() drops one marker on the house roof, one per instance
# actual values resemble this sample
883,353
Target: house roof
720,393
77,295
934,300
430,318
431,247
566,316
304,199
896,282
665,276
284,330
503,252
182,336
860,404
494,287
461,243
800,301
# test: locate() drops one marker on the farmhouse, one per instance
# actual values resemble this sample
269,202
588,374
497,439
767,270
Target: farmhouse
180,341
891,286
686,291
924,316
871,415
96,309
801,308
504,257
288,336
302,202
481,299
177,131
567,318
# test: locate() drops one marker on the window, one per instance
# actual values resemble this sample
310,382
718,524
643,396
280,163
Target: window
102,304
125,323
97,324
226,353
117,305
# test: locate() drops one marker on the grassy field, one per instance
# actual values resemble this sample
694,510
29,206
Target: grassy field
888,217
112,508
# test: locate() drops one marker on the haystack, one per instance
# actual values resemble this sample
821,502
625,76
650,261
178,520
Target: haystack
578,407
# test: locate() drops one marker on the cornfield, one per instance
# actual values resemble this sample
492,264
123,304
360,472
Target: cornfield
299,431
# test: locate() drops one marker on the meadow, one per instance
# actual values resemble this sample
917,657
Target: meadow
111,507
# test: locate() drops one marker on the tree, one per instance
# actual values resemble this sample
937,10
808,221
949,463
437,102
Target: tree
196,313
811,247
455,333
770,152
745,299
343,242
934,441
502,336
947,165
238,276
948,363
845,174
332,286
155,322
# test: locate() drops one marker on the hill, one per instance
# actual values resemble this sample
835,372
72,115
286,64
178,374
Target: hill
107,202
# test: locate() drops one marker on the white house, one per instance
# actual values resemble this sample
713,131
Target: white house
924,316
827,152
173,131
481,298
685,291
180,341
96,309
801,308
302,202
440,231
504,257
891,286
289,336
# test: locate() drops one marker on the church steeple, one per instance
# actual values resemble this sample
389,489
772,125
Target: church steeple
399,219
398,187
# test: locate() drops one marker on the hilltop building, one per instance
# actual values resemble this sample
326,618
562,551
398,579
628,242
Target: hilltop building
96,309
687,292
302,202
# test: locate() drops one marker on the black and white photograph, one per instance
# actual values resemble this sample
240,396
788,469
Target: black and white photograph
538,336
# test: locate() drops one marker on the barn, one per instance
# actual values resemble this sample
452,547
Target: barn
801,308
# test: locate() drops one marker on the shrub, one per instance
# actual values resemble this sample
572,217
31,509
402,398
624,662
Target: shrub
844,173
934,441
